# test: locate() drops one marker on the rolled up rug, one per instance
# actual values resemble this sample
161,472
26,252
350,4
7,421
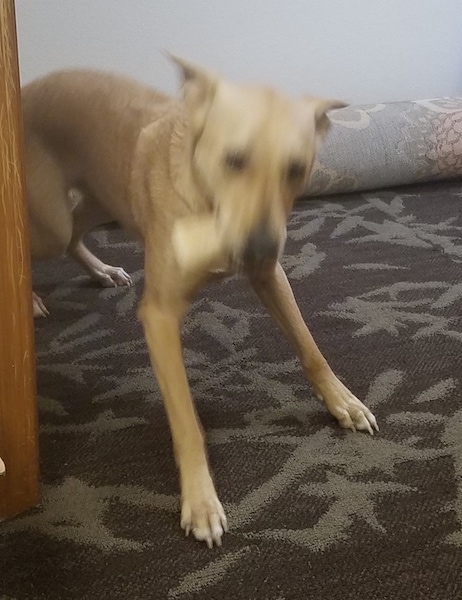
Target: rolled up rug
383,145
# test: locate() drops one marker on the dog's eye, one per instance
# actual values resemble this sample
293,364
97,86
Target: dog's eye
236,161
296,171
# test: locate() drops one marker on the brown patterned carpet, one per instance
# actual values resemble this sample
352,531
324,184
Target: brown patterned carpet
315,512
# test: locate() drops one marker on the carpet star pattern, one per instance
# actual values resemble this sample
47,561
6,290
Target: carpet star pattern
310,506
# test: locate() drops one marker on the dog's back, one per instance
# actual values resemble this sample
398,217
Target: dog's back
90,122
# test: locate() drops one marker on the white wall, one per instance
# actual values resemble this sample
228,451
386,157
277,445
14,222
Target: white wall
358,50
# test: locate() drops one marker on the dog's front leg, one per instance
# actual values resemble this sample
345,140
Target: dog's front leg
201,511
275,292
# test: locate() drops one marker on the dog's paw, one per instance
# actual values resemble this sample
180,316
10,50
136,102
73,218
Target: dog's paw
111,276
202,514
40,310
345,407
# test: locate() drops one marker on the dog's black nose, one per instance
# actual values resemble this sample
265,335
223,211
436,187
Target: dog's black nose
261,246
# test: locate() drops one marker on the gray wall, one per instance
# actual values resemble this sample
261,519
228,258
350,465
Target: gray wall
357,50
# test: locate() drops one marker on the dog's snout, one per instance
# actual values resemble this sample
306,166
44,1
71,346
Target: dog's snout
261,246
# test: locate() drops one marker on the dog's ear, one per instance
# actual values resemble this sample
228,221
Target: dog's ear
199,86
321,107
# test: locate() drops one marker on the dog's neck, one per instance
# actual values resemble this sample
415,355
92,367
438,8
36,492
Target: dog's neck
186,183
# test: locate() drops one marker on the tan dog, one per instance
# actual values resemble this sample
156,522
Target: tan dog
207,184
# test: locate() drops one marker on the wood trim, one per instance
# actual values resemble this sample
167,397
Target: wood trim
19,488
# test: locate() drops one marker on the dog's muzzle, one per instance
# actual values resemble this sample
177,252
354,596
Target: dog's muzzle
261,248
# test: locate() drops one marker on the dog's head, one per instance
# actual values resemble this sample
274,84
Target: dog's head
252,153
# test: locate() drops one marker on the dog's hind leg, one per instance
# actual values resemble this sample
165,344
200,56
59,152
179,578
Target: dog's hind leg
87,215
50,219
275,292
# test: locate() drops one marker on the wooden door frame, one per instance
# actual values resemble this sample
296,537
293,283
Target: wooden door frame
19,487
